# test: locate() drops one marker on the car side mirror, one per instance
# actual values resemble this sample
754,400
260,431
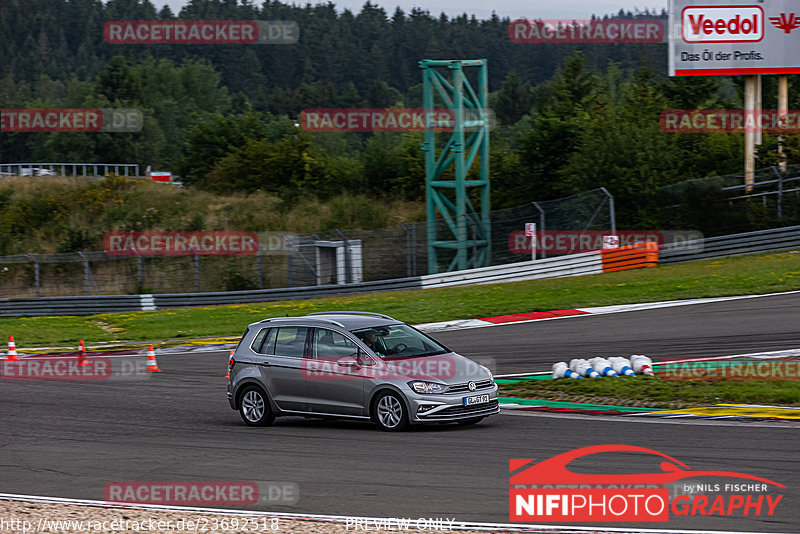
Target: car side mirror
364,359
347,361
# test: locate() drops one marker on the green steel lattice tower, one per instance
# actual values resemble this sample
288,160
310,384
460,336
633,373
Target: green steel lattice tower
462,236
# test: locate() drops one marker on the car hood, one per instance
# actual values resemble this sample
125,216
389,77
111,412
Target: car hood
450,368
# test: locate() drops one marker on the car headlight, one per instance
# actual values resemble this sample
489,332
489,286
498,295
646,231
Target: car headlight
421,386
491,376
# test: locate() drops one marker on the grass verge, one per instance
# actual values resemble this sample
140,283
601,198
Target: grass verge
755,274
653,392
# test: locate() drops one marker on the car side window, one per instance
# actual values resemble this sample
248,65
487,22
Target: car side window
258,344
331,344
290,341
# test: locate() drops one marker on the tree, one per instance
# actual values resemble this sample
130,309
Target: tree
514,99
210,141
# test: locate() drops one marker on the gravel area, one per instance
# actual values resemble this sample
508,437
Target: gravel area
25,517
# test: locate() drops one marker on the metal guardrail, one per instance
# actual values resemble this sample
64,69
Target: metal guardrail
772,240
68,169
574,265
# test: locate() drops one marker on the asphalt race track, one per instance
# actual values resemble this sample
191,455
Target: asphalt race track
716,329
69,439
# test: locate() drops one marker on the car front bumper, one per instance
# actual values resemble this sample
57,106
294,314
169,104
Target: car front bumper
446,408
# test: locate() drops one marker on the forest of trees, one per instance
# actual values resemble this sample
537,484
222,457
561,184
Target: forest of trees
569,117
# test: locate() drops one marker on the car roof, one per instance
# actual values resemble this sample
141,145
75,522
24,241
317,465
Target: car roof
349,320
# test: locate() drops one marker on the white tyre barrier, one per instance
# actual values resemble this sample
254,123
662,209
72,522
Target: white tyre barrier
622,366
560,370
583,368
642,364
602,366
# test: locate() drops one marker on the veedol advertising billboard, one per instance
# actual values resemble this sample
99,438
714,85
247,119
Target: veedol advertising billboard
737,37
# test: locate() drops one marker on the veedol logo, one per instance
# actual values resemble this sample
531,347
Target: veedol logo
722,24
787,24
549,491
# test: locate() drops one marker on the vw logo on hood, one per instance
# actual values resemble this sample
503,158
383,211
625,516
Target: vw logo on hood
471,386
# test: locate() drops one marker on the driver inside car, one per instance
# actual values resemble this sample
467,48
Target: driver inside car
370,338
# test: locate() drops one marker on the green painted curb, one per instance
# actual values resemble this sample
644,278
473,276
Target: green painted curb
579,406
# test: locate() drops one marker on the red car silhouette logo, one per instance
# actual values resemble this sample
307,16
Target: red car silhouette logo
554,470
786,23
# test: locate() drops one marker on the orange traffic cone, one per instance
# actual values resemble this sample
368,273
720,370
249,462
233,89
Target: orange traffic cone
228,376
82,354
12,350
152,364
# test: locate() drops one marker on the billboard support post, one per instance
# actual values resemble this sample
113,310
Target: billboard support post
739,38
749,132
783,110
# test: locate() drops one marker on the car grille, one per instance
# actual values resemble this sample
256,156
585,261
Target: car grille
464,388
465,410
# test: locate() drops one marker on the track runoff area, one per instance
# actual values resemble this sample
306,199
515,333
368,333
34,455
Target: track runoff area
174,427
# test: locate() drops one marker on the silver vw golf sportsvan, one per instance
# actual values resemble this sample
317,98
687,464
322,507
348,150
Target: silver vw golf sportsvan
355,365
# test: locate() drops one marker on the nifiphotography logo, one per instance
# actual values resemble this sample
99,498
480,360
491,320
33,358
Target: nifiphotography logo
549,491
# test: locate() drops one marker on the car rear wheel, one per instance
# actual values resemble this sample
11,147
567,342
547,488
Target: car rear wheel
254,407
390,413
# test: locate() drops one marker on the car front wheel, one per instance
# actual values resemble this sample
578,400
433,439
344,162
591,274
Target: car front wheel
254,407
390,413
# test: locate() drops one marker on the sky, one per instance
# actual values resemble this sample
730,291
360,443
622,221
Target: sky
482,9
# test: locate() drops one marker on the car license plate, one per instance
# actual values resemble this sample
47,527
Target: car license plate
476,399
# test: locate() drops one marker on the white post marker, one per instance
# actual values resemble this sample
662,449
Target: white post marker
530,231
610,241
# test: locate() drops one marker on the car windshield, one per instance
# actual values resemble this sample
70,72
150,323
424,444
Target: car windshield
399,341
